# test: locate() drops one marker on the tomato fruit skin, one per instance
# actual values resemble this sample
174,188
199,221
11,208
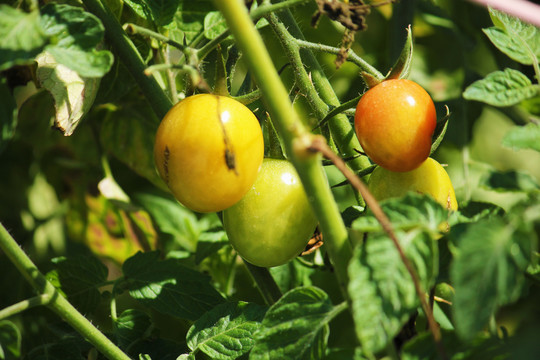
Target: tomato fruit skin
429,178
273,223
394,122
191,146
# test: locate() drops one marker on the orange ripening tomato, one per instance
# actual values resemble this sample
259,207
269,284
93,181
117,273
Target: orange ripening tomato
208,150
394,122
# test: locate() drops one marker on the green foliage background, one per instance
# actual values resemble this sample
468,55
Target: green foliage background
82,206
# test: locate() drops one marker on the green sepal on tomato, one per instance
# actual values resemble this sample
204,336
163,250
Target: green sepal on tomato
273,222
208,150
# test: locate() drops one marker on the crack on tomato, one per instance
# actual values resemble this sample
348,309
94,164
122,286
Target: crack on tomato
167,155
229,155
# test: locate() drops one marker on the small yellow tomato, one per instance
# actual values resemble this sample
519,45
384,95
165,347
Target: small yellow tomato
208,150
429,178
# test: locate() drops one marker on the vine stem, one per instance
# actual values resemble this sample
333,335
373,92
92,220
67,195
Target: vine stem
129,55
319,145
295,136
265,282
316,87
351,56
57,302
21,306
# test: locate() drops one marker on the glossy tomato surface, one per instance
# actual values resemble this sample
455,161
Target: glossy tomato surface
429,178
208,150
394,122
272,224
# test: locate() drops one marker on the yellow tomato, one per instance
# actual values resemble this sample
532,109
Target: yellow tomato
429,178
208,150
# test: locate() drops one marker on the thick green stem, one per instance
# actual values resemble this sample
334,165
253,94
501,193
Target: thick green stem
56,301
297,139
317,88
124,48
265,282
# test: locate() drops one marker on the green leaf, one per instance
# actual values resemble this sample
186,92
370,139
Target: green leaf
517,39
510,181
293,323
79,279
8,114
523,137
172,218
487,272
21,37
226,332
131,326
422,347
157,349
502,88
73,95
209,243
189,17
215,24
414,211
381,289
10,340
169,287
75,34
128,133
160,12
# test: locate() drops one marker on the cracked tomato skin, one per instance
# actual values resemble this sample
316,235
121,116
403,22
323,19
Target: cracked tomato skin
394,122
208,150
429,178
273,223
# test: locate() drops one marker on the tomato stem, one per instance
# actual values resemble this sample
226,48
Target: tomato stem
294,134
320,146
265,282
57,302
129,55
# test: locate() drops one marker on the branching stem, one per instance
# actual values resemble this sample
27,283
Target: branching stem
55,300
319,145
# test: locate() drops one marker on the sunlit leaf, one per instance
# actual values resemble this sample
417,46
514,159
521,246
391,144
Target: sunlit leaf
292,324
226,332
73,95
160,12
21,36
381,289
502,88
517,39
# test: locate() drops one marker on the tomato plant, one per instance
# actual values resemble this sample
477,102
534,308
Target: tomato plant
429,178
394,122
273,222
208,150
99,260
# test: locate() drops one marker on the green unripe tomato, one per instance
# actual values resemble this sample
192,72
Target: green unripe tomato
273,222
429,178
